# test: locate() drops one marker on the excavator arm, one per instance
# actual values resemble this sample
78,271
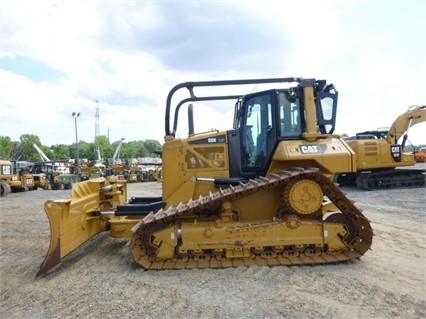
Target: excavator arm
414,115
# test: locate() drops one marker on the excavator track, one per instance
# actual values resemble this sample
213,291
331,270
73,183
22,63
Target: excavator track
355,243
392,178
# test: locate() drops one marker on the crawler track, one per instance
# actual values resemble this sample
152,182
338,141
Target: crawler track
392,178
356,243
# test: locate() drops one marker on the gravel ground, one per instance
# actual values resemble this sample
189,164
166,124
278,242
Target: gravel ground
100,279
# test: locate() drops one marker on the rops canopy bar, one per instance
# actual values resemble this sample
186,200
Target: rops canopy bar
190,86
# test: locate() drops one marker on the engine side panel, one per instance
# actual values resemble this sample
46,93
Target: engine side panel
201,155
378,153
331,155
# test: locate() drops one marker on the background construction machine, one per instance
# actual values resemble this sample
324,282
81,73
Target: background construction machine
132,173
380,158
6,174
259,193
14,178
420,155
47,176
41,153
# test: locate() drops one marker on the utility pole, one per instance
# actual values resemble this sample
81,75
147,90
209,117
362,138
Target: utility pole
97,120
75,116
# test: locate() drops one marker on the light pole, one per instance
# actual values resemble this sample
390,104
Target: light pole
75,116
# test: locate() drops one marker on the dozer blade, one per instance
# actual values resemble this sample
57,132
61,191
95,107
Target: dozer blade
74,221
53,256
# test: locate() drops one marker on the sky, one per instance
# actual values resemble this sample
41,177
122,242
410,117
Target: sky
120,59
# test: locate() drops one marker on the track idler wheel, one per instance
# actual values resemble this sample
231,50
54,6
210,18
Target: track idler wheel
304,198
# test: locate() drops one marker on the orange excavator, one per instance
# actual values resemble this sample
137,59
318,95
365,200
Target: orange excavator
420,155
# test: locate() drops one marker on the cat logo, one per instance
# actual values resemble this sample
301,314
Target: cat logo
309,149
396,152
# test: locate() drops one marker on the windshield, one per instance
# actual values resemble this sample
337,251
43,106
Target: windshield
289,115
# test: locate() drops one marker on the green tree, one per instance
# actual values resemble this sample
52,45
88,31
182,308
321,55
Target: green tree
24,149
60,151
87,150
114,147
152,146
128,150
29,152
6,145
16,152
105,148
140,149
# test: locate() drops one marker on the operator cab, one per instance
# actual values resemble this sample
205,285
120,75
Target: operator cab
267,118
263,119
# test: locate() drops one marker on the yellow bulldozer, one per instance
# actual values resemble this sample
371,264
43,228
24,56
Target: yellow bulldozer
381,160
257,194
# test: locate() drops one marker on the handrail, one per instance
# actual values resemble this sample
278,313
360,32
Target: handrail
191,85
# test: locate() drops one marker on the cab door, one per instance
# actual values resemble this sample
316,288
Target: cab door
258,131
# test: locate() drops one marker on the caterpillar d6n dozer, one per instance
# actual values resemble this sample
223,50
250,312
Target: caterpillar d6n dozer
257,194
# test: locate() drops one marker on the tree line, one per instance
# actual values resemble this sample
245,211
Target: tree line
23,150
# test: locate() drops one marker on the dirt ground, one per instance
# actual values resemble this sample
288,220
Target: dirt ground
100,279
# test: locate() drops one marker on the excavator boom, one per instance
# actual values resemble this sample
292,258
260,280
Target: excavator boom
413,116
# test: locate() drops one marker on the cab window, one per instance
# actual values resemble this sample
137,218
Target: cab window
257,123
289,115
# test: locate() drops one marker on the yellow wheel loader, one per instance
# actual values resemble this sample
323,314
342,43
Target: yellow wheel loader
381,160
257,194
12,181
47,178
6,177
